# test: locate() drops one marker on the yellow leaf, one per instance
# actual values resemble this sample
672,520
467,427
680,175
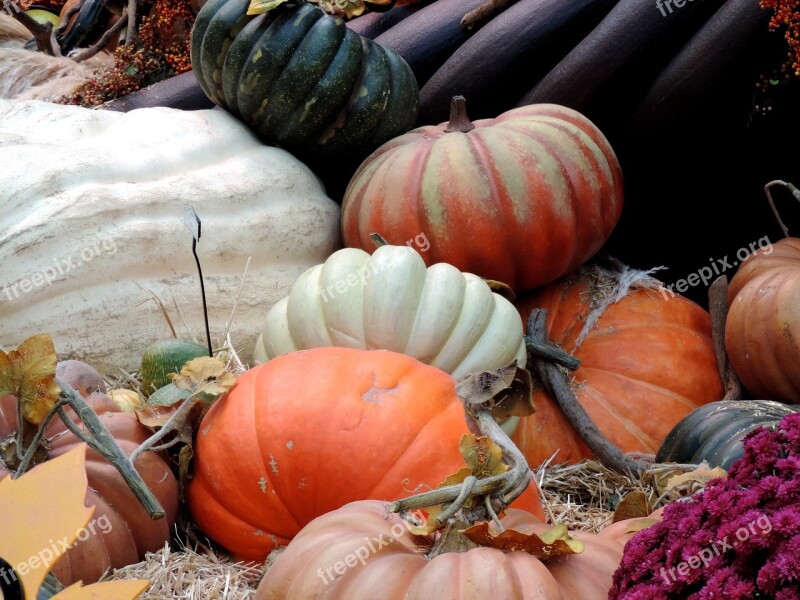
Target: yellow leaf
258,7
29,374
554,542
128,401
108,590
427,516
205,374
32,534
696,479
482,455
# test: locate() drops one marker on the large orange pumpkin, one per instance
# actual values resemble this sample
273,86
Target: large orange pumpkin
360,552
120,531
647,361
762,331
312,430
524,198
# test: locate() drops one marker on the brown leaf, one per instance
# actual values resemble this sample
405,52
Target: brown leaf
634,505
517,399
481,388
204,375
555,542
29,374
695,479
501,289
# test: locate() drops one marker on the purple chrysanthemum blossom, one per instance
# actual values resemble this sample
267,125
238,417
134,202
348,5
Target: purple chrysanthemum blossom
738,539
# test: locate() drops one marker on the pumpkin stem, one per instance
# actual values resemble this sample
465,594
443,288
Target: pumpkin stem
484,13
452,540
718,309
102,442
459,121
767,190
378,239
556,384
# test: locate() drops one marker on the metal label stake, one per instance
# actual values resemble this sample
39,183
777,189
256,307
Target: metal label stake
192,222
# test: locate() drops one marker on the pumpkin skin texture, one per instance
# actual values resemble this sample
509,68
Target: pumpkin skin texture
310,431
98,224
762,330
398,570
301,79
714,432
121,530
647,362
390,301
524,198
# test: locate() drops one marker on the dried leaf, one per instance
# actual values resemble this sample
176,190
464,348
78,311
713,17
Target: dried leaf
258,7
204,375
634,505
481,388
501,289
29,374
483,456
637,525
554,542
517,399
697,478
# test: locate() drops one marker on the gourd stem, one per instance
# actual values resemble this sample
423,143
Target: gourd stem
378,239
459,121
556,384
548,351
102,442
767,190
718,309
174,424
30,451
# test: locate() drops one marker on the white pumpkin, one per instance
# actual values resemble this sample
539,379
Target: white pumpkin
389,300
92,222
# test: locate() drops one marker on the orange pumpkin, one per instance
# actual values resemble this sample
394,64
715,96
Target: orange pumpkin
645,364
762,330
120,531
523,198
312,430
361,552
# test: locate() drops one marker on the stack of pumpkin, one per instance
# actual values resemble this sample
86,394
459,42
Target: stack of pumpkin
362,347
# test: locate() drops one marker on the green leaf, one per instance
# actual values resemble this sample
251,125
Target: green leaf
168,395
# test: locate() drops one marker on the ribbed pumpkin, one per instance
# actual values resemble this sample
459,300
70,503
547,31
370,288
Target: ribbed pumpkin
390,301
762,331
524,198
398,570
714,432
310,431
122,531
646,362
301,79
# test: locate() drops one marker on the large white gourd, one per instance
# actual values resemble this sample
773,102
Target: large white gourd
391,301
91,221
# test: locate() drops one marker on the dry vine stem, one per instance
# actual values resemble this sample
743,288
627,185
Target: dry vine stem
718,308
556,384
99,439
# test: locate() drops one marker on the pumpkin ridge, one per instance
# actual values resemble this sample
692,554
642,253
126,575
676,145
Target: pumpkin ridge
648,385
599,399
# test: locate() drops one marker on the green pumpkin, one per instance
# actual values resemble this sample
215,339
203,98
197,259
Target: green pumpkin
714,431
301,79
164,357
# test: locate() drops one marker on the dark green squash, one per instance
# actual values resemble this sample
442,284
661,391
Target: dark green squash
164,357
301,79
714,432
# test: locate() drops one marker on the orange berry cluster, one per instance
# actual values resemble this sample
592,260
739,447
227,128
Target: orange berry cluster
787,14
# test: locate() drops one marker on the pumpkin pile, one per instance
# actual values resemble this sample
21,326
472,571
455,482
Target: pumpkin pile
335,319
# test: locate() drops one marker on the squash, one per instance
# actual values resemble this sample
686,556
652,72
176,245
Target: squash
120,531
762,330
524,198
92,223
310,431
714,432
301,79
164,357
389,301
360,551
647,360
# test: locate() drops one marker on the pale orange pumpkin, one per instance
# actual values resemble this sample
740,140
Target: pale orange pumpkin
361,552
120,531
312,430
762,330
646,362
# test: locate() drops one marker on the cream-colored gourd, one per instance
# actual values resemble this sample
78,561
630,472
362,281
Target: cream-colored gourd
389,300
92,222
